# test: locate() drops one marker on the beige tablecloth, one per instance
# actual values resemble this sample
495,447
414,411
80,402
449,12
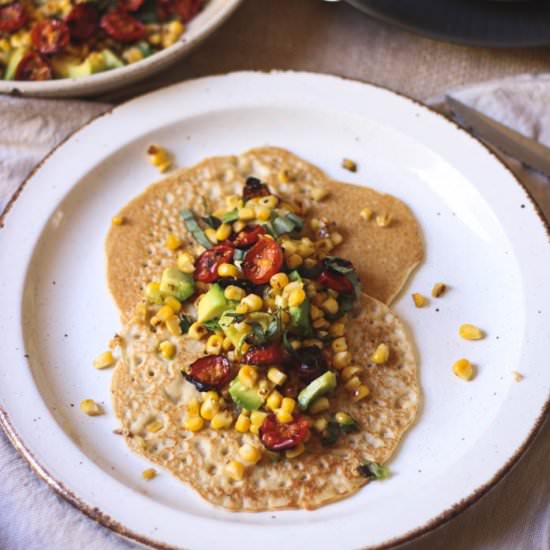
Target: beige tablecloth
332,38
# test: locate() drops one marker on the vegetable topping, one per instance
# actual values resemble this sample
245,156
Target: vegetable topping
12,17
272,354
248,236
206,269
122,27
83,21
278,436
33,67
50,36
262,261
210,373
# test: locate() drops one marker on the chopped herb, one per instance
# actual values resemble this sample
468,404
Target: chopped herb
238,255
212,221
344,267
330,434
373,470
231,216
310,272
296,220
213,325
283,225
193,227
185,323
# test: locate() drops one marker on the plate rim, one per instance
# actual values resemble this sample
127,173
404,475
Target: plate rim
437,521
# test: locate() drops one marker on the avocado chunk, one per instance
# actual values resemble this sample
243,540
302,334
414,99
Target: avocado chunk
212,304
176,283
300,319
321,385
111,60
67,66
245,398
15,57
80,70
227,324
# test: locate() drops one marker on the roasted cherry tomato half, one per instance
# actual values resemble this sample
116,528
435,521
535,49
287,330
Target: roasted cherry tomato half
206,267
262,261
184,9
309,363
335,281
122,26
272,354
248,236
253,187
83,21
50,36
33,67
129,5
12,17
280,437
212,372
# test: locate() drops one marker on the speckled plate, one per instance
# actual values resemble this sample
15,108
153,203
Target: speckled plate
484,238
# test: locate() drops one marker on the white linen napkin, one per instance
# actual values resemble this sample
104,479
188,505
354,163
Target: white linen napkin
516,514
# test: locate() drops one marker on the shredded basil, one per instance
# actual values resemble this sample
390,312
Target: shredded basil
330,434
193,227
373,470
213,325
212,221
185,323
296,220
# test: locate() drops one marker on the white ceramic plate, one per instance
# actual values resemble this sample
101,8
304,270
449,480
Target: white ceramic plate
483,236
200,27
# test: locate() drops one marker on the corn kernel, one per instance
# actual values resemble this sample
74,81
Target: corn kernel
132,55
90,407
238,226
227,344
518,377
250,453
172,302
273,402
140,312
366,214
228,270
173,242
270,201
318,193
350,372
284,417
353,383
288,404
167,349
330,305
154,426
381,354
438,289
320,424
463,369
419,300
319,405
193,407
349,164
293,261
470,332
165,312
211,235
343,418
254,429
243,423
257,418
276,376
186,262
244,348
197,331
173,325
383,220
104,360
117,220
233,201
253,302
235,470
248,375
263,213
152,293
246,214
149,474
339,344
289,246
312,342
223,232
234,293
337,329
214,344
296,297
193,424
297,451
360,393
279,281
209,409
221,421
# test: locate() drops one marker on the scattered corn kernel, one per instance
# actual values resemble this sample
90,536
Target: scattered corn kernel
253,302
248,375
470,332
297,451
197,331
330,305
238,226
366,214
337,329
463,369
235,470
319,405
193,407
360,393
343,418
173,242
439,289
279,281
250,453
383,220
288,404
518,377
381,354
246,214
318,193
284,417
173,325
263,213
234,293
149,474
211,235
167,349
353,383
104,360
349,164
228,270
214,344
165,312
320,424
278,377
257,418
270,201
223,232
194,423
172,302
243,423
186,262
227,344
154,426
152,293
336,238
419,300
209,409
293,261
350,372
273,402
117,220
90,407
221,421
339,344
296,297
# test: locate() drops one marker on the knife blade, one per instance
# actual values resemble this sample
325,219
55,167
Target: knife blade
530,152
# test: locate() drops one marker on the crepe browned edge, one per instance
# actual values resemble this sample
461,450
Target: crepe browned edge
383,256
147,388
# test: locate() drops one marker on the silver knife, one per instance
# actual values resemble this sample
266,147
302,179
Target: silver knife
527,150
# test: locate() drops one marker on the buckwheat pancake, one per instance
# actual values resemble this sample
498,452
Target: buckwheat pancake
146,388
383,256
